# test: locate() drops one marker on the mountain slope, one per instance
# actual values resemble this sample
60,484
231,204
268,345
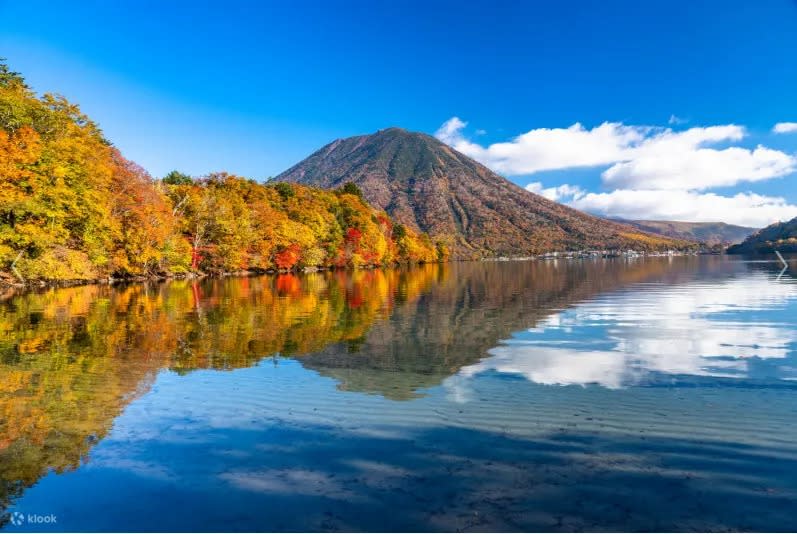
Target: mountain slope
780,236
710,233
429,186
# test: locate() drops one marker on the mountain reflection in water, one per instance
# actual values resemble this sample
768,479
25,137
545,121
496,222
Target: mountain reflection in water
73,359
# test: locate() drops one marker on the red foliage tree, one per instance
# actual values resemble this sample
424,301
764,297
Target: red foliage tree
353,236
288,257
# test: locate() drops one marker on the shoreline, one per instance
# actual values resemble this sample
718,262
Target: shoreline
29,285
34,284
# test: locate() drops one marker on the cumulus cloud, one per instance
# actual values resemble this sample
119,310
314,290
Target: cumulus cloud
744,209
639,157
785,127
674,119
451,130
677,161
565,191
651,172
547,148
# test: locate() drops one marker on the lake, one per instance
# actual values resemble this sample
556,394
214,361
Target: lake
618,394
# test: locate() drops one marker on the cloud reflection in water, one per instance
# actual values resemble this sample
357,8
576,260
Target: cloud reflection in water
731,328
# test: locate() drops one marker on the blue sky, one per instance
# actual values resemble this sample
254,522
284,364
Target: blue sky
253,87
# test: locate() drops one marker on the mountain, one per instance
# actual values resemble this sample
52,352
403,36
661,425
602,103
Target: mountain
780,236
429,186
710,233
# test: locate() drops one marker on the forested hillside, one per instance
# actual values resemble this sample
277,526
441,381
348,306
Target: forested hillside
73,208
710,233
780,236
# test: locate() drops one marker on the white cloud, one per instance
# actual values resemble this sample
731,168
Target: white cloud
785,127
451,130
674,119
745,209
652,172
678,161
558,192
639,157
547,148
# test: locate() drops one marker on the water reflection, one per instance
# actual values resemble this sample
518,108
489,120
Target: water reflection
72,360
742,327
467,312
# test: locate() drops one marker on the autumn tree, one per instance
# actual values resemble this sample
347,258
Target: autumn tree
72,207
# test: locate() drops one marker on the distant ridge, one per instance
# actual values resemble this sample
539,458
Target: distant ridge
429,186
780,236
710,233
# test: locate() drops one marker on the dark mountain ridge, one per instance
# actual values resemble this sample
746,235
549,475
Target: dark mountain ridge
781,236
429,186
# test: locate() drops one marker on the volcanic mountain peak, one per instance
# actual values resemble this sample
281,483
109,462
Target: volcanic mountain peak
429,186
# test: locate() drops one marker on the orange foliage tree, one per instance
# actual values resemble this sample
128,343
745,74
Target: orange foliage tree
72,207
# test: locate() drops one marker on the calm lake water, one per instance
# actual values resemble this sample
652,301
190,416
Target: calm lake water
627,394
